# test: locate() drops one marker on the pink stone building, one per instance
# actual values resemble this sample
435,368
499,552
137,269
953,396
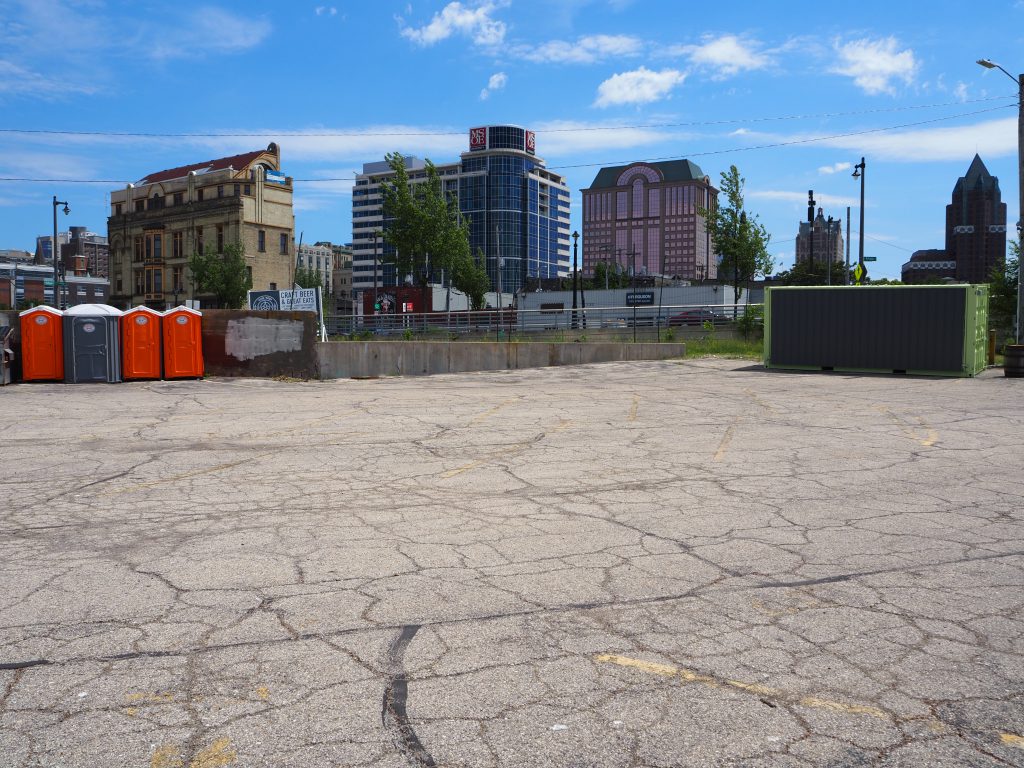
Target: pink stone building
648,214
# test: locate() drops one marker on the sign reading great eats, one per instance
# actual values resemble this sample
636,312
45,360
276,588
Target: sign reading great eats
477,138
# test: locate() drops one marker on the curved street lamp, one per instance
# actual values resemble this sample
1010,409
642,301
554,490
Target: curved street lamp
56,251
1019,80
858,172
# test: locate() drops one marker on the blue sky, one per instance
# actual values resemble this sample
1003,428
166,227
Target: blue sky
601,81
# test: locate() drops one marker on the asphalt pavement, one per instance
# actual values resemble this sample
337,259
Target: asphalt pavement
682,563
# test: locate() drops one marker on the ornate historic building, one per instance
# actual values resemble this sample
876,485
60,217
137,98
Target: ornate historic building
156,224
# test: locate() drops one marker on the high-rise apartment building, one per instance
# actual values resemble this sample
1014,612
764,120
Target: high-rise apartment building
827,240
156,224
975,233
648,215
518,211
85,253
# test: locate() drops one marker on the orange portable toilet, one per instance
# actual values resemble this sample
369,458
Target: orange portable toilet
140,343
42,344
183,343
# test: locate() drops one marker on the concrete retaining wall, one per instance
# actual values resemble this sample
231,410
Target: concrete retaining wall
347,359
246,343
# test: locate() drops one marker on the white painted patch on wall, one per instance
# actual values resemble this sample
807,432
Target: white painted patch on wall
253,337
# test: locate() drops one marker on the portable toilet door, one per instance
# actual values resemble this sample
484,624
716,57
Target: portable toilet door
42,344
183,343
91,344
140,343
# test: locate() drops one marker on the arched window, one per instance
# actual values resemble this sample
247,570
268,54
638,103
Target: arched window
638,197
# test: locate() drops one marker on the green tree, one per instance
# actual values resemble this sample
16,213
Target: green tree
1002,296
427,231
614,273
470,277
802,274
738,237
308,277
225,276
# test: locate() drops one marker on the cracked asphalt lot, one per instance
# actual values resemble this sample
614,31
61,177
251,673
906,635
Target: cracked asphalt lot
690,563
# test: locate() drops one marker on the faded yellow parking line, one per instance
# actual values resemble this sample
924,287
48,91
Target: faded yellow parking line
184,476
726,439
634,408
690,676
929,437
487,414
1012,740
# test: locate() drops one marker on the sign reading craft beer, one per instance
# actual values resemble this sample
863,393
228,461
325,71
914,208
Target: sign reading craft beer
477,139
531,142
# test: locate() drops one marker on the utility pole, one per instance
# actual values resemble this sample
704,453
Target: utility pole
859,171
828,259
846,275
575,272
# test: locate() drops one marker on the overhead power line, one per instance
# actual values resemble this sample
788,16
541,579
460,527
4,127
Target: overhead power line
773,145
378,134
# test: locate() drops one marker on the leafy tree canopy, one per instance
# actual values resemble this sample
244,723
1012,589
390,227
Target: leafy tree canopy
225,275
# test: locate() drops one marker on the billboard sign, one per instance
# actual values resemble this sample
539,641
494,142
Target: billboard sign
477,139
299,300
531,142
274,177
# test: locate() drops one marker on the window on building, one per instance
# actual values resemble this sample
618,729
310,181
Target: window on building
220,190
220,238
247,189
140,285
261,241
138,249
237,188
199,240
638,198
140,205
273,286
621,203
179,198
284,242
176,276
199,195
120,285
117,209
177,245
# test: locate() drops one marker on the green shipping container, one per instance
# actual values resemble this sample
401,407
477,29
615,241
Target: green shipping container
936,330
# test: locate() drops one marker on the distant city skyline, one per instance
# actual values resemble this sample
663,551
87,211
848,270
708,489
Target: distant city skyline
602,82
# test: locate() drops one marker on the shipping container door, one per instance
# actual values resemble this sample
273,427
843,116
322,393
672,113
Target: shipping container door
89,341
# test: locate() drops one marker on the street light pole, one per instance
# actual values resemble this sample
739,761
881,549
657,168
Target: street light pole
1019,80
859,171
575,272
56,251
376,233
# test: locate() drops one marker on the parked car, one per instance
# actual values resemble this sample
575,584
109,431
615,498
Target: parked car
697,317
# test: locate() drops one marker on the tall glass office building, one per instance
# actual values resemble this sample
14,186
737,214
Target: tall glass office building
518,211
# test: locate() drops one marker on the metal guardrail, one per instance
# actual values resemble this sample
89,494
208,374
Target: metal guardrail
641,323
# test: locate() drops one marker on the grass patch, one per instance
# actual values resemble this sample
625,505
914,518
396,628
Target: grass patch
740,349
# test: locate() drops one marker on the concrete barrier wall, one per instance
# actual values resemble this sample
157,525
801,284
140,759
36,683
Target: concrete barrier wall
357,359
247,343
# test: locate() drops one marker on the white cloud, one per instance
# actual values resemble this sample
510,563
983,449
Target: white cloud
960,91
821,199
208,30
875,64
586,50
572,138
455,18
640,86
990,138
16,79
324,10
496,82
726,55
828,170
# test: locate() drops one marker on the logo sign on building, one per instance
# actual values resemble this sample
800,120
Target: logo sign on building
274,177
531,142
265,301
477,139
640,299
